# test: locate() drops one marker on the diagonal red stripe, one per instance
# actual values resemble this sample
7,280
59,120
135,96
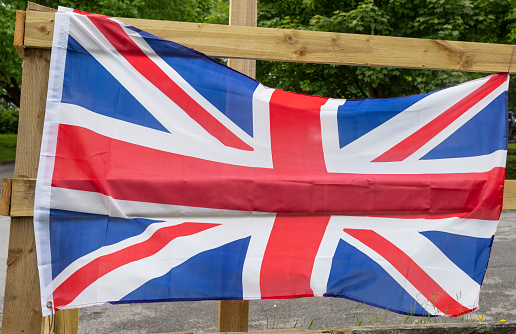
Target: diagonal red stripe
411,271
152,72
414,142
88,274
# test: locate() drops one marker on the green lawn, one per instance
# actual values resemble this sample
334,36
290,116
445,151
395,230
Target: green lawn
7,147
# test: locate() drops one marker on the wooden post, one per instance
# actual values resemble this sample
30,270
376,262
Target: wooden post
22,309
243,13
234,314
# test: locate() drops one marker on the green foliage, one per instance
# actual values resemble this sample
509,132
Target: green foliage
219,13
7,147
490,21
510,170
8,118
10,71
172,10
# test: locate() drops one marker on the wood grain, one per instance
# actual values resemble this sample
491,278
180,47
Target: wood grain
233,316
37,7
509,195
243,13
66,322
5,199
22,309
22,197
19,32
308,46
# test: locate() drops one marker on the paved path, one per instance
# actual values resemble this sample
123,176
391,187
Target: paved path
497,300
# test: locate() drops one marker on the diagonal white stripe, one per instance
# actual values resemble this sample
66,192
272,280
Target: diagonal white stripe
125,279
177,142
438,266
181,126
181,82
405,234
356,157
460,121
412,119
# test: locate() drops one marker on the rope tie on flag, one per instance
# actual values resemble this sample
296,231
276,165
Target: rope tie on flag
50,306
510,62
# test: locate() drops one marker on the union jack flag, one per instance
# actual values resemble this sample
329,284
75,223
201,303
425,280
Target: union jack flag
166,176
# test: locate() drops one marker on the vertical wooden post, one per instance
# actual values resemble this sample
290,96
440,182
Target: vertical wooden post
22,309
234,314
243,13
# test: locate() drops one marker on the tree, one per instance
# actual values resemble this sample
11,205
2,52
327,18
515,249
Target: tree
489,21
10,71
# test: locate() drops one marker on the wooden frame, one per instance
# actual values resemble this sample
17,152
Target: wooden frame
307,46
33,39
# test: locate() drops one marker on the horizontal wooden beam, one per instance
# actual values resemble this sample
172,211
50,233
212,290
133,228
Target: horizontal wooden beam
307,46
5,199
19,32
18,197
36,6
509,195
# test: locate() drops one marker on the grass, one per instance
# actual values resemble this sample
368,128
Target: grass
7,147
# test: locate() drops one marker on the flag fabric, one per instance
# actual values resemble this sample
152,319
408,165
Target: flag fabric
166,176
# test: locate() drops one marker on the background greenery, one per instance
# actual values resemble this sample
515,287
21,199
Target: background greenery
7,147
510,170
488,21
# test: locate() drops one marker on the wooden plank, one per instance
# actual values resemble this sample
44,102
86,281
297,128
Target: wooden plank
308,46
22,197
509,195
5,199
18,197
243,13
66,322
37,7
21,312
234,314
19,32
22,309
